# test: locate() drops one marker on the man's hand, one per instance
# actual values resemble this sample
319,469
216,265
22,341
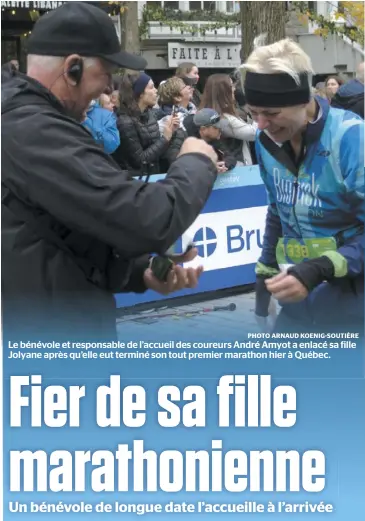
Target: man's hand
193,145
286,288
179,278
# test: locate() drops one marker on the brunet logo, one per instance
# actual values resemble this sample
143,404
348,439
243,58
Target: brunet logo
236,239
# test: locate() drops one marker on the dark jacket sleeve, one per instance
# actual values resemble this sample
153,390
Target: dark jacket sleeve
136,281
132,145
62,170
176,143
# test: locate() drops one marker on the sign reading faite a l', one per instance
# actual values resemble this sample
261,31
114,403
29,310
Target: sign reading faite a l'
205,55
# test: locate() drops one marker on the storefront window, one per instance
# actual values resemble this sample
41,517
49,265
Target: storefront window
200,6
9,50
153,4
232,7
312,6
172,5
166,4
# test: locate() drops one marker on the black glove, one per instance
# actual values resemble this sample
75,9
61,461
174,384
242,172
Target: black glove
313,272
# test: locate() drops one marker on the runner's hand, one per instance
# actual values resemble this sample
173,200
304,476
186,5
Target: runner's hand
286,288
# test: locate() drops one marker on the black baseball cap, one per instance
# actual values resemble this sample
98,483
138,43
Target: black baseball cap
84,29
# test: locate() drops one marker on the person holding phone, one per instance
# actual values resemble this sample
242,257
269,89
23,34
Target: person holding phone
173,98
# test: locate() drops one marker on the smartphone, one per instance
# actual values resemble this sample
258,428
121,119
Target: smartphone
171,251
162,265
174,110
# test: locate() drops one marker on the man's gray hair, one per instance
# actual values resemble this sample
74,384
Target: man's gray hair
49,63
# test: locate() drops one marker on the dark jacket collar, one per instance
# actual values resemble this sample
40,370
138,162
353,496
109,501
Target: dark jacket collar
22,85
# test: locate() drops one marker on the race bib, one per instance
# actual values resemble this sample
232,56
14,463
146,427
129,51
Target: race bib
293,251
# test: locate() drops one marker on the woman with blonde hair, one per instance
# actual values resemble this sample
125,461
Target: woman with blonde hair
173,99
311,159
174,96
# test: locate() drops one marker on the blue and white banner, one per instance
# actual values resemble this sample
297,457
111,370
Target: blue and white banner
228,234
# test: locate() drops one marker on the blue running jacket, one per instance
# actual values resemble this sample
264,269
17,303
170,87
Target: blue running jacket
323,198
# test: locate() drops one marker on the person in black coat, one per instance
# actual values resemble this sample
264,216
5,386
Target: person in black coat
75,228
207,124
142,148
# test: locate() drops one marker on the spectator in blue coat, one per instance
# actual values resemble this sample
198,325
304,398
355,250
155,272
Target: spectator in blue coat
102,123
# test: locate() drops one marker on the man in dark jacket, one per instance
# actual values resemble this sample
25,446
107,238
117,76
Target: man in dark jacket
75,228
351,95
207,125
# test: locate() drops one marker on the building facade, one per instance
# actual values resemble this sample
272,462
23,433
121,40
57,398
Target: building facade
204,32
218,49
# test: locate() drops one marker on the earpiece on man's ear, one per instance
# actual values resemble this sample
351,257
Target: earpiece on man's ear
75,71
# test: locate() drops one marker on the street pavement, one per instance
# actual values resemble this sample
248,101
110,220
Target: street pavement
175,321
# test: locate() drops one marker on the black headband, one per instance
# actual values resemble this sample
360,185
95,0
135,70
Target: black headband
276,90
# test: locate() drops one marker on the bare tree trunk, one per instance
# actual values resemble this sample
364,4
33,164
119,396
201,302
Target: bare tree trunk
129,27
261,18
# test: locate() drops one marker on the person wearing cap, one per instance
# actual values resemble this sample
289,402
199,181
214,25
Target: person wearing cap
75,228
207,125
312,164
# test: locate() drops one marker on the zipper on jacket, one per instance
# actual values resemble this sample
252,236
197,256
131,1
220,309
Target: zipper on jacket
296,186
